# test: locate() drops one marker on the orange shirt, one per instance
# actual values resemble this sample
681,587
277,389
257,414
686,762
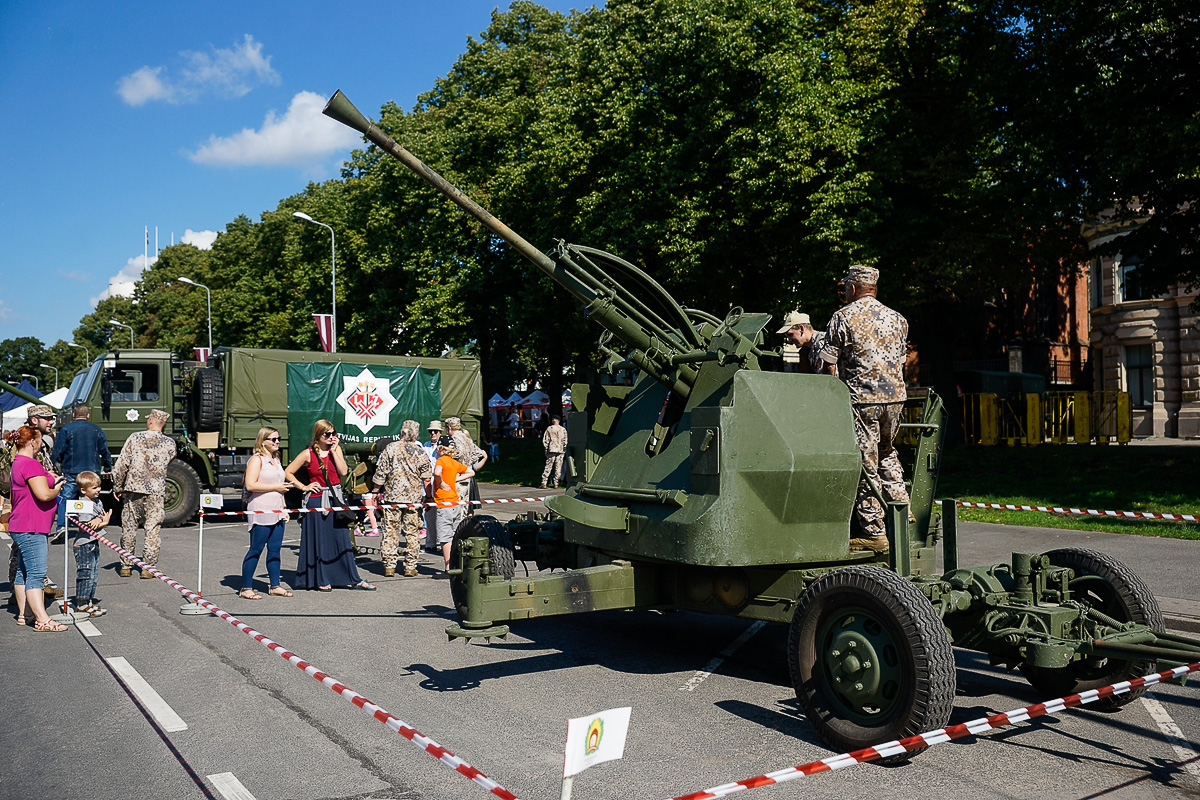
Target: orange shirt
451,469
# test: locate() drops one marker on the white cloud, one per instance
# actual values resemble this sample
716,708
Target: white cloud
6,313
302,137
123,283
75,275
202,240
231,72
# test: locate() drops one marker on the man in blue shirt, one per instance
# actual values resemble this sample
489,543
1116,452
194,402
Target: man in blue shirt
81,446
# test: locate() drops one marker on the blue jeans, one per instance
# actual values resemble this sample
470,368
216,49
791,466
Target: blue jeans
32,549
87,562
70,490
270,536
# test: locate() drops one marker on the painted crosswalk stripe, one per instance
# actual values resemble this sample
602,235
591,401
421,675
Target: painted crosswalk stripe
1179,743
229,786
163,714
87,628
701,675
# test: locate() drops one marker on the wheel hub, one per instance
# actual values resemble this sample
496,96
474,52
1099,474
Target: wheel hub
862,665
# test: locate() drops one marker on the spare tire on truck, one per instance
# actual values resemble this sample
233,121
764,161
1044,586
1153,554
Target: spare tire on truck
206,402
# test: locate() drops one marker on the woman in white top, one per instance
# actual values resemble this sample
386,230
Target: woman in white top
265,483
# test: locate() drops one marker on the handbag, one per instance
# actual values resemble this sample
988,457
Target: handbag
344,518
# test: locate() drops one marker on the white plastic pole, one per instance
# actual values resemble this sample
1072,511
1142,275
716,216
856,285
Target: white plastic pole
67,617
566,788
196,608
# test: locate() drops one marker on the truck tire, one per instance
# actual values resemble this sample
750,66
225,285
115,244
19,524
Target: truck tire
500,554
870,659
182,497
1103,583
206,405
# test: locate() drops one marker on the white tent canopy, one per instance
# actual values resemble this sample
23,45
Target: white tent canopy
535,398
16,418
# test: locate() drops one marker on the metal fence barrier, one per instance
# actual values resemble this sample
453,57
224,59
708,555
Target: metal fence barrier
1028,420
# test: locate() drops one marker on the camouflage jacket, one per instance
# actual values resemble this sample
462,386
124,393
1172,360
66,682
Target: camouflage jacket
816,364
468,452
555,439
866,340
142,466
401,473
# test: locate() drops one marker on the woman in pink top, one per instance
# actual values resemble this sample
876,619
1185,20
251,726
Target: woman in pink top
34,503
266,483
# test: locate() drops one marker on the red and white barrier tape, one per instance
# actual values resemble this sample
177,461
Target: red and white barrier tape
380,504
1091,512
382,715
946,734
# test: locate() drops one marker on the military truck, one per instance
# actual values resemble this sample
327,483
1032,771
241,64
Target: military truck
715,485
218,407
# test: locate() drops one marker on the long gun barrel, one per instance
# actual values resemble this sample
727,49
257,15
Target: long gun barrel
664,340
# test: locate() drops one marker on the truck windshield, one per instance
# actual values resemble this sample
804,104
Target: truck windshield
82,383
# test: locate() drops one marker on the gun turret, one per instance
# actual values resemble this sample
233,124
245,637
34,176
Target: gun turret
665,341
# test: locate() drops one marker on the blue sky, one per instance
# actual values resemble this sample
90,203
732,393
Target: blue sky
179,117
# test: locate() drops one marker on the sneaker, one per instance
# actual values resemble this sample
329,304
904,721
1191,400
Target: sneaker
876,544
124,572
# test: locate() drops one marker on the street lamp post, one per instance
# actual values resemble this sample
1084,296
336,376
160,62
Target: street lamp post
208,297
47,366
333,269
35,380
87,360
123,325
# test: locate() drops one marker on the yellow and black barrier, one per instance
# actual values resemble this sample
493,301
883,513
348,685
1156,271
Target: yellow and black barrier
1031,419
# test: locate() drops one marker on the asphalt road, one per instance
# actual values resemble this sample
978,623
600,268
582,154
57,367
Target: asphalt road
69,728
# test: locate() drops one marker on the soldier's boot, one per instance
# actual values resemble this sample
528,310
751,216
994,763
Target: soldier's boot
389,572
876,544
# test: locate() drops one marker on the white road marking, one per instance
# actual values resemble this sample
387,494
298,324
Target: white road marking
1179,743
229,786
711,667
87,628
163,714
5,537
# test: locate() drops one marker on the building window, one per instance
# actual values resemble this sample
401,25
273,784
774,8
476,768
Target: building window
1139,375
1130,286
1095,284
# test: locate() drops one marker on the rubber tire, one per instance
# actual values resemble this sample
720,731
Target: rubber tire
921,652
181,500
500,554
1126,598
206,406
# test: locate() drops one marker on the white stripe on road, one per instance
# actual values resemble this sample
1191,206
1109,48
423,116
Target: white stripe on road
711,667
86,627
1179,743
229,786
5,537
163,714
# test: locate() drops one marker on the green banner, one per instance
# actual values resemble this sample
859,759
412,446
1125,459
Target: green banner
365,403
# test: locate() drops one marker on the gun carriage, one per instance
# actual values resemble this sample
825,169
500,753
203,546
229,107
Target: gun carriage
716,486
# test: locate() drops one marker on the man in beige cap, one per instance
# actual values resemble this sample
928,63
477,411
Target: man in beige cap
866,346
798,330
42,417
429,519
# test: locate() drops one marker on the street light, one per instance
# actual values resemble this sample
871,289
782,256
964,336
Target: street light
333,269
87,359
208,296
123,325
35,380
47,366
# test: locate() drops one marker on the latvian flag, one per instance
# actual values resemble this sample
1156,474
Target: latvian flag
325,330
202,354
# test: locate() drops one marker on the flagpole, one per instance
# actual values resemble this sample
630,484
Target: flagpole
566,788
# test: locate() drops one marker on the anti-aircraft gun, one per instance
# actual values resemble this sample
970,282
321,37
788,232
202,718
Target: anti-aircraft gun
713,485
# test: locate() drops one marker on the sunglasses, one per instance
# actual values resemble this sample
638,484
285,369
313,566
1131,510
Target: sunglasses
329,434
271,439
43,416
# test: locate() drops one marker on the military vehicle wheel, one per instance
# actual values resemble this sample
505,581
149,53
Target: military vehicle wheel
500,553
1107,585
870,659
182,497
206,406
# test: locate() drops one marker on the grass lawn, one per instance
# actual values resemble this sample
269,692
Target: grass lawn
520,464
1107,478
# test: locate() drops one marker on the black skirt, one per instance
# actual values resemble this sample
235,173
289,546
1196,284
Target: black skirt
326,551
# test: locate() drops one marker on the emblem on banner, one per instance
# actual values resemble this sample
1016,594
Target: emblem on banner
595,733
367,400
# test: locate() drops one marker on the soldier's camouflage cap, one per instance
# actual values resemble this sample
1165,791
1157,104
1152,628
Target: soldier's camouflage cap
867,276
40,411
793,319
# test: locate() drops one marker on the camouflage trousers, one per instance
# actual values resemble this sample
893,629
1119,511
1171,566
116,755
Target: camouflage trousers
875,428
552,474
397,521
141,511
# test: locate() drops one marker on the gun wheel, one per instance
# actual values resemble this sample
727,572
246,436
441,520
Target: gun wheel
500,554
1103,583
870,659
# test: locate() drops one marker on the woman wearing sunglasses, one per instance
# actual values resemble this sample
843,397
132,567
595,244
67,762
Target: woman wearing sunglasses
265,483
326,552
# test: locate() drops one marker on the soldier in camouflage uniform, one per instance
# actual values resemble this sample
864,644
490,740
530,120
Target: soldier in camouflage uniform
798,330
40,417
139,479
470,454
866,344
403,475
555,442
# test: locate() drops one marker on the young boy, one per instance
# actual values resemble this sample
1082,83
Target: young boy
87,549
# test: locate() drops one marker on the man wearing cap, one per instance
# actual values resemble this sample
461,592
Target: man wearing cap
81,445
429,520
798,330
41,417
866,346
140,479
403,475
470,454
